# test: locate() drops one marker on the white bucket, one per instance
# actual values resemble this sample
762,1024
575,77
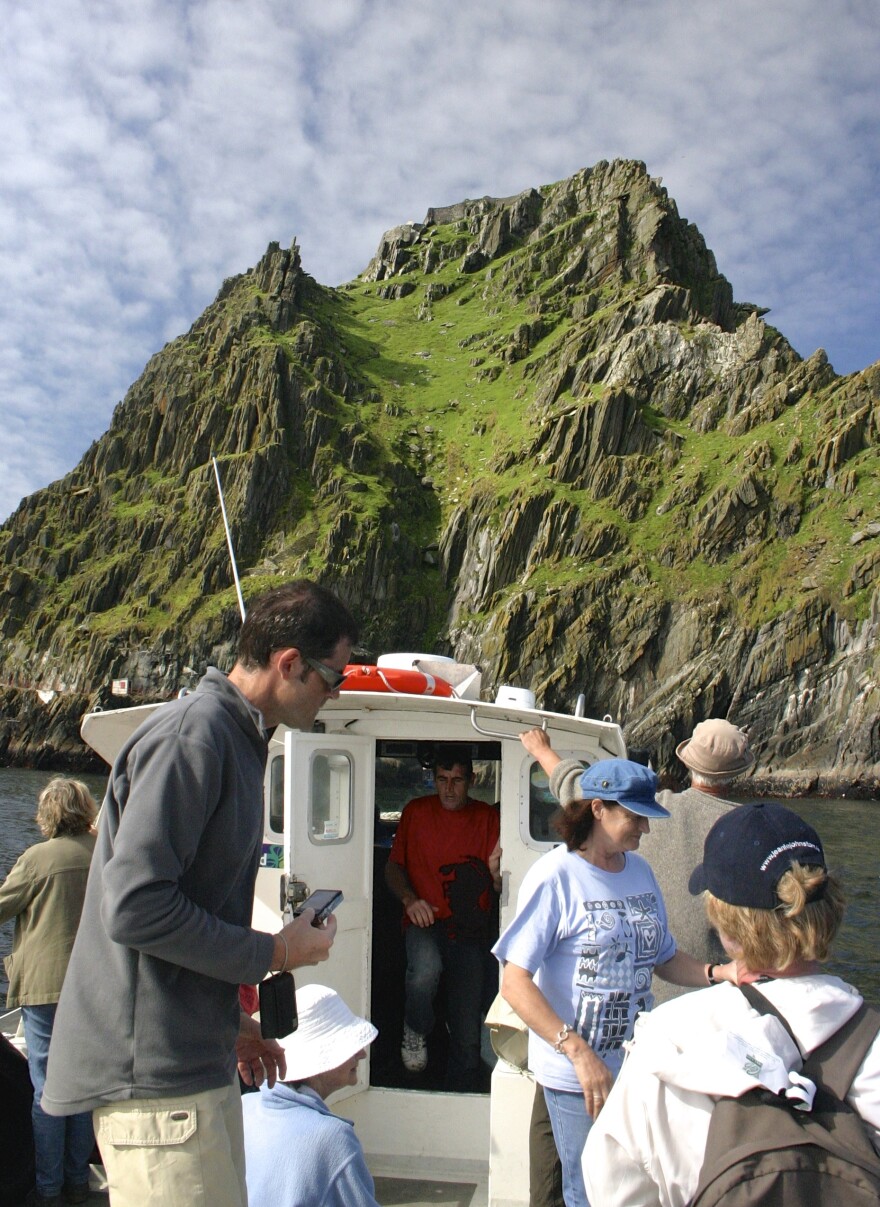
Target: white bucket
519,697
408,662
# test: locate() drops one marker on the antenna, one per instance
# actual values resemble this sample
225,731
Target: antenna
228,537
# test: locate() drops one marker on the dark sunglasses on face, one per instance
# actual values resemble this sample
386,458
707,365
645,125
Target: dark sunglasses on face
333,679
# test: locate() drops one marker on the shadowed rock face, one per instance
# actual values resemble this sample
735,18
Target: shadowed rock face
538,433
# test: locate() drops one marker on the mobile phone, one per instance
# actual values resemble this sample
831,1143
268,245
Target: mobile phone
323,901
278,1015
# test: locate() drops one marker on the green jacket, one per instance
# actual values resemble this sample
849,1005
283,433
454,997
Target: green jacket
44,893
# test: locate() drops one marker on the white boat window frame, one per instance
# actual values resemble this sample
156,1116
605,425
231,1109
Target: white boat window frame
275,795
525,816
320,836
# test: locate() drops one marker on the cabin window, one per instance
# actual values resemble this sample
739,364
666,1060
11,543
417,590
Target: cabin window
404,771
330,796
542,805
276,795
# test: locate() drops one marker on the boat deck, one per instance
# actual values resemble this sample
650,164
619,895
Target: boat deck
411,1192
399,1192
390,1191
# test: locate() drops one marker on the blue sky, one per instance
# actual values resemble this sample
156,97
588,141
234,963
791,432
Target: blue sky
152,149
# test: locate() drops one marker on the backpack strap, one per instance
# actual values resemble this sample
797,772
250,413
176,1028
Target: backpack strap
759,1003
835,1063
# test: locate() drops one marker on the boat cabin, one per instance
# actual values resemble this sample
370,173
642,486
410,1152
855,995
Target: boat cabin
333,799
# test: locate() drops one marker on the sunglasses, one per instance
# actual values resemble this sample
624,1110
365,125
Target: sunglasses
333,679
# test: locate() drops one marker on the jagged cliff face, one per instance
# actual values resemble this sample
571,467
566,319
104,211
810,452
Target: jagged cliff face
538,432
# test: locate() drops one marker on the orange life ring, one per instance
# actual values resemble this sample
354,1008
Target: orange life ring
362,678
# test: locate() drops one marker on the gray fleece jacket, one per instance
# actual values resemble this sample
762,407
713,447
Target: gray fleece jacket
149,1006
565,781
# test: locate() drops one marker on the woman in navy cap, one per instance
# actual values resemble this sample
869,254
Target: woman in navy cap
589,932
777,910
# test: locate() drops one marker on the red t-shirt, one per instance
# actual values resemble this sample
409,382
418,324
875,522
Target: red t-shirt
445,853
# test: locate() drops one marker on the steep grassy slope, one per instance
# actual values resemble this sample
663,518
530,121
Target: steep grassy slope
537,430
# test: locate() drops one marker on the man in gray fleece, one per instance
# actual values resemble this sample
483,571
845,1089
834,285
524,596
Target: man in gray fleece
149,1031
716,754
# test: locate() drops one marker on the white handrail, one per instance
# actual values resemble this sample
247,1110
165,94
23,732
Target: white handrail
495,733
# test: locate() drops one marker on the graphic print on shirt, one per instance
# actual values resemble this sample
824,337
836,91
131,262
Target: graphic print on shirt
621,942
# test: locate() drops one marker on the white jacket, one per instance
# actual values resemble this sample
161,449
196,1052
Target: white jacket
646,1147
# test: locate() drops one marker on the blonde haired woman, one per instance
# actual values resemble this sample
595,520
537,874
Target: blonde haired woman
44,894
777,910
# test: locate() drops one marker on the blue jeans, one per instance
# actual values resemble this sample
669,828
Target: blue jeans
571,1124
62,1144
430,952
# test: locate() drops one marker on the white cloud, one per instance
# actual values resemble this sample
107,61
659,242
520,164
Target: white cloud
151,150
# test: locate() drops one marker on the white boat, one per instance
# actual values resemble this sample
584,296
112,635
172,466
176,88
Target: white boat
332,801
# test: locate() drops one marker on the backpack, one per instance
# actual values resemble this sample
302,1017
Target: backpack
761,1151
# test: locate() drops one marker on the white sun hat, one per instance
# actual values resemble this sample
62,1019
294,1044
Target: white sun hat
328,1033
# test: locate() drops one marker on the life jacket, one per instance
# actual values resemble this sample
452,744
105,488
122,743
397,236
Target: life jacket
763,1152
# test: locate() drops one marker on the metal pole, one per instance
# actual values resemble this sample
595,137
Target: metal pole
228,538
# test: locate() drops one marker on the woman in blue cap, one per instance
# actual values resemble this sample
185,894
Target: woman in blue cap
589,932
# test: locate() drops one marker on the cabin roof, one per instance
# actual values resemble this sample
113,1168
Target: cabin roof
372,713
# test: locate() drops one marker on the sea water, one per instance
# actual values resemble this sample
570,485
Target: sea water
848,829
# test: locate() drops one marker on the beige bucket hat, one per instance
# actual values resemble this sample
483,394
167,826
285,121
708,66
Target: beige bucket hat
716,750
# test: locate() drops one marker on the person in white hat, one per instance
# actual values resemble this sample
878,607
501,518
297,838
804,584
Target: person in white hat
716,754
297,1153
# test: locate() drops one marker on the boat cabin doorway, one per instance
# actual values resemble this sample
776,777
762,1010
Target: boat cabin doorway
403,772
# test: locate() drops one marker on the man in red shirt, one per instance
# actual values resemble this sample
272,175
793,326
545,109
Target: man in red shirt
444,868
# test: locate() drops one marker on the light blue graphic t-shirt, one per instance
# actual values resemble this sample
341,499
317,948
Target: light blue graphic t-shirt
591,938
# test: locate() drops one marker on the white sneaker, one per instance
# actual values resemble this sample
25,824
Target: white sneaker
413,1050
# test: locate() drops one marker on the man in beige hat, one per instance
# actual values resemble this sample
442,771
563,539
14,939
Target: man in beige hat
715,754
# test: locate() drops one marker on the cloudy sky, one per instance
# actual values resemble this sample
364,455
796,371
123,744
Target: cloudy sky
151,149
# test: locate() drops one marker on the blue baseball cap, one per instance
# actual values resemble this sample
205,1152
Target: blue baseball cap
749,849
629,784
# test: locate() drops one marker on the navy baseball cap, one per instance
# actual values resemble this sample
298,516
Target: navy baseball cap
629,784
749,849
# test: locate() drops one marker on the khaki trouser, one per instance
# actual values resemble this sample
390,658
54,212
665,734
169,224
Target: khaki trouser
174,1152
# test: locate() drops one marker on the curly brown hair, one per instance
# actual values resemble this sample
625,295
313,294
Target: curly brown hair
65,807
